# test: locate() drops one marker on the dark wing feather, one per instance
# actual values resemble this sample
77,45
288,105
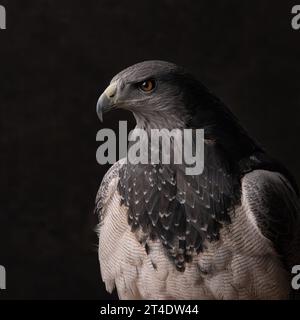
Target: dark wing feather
276,207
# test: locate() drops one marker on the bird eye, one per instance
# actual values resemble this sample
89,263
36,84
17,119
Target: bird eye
147,85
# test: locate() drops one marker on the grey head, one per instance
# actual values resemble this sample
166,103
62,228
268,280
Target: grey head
152,90
162,95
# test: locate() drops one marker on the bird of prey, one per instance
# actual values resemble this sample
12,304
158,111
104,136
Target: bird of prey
231,232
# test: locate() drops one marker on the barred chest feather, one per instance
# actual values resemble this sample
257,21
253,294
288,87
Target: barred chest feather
242,264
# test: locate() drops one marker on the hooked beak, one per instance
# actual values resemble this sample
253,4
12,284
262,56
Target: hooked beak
107,100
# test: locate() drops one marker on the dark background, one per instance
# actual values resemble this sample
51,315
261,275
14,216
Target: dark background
55,59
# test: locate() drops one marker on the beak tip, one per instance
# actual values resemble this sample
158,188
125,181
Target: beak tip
99,110
106,101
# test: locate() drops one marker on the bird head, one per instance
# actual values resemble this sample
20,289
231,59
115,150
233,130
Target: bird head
154,91
162,95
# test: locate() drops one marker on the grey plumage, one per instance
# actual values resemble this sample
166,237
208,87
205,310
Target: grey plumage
230,233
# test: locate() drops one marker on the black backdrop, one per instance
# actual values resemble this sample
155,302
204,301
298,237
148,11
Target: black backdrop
55,59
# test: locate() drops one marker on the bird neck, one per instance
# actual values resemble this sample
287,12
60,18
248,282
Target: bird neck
156,120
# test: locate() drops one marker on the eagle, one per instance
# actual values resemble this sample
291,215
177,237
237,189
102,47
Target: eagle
231,232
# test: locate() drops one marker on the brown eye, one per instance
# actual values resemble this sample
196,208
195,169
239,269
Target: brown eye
147,85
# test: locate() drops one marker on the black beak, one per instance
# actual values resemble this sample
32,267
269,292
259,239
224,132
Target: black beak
106,101
104,104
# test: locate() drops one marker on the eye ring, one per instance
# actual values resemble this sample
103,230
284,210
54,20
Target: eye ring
147,85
